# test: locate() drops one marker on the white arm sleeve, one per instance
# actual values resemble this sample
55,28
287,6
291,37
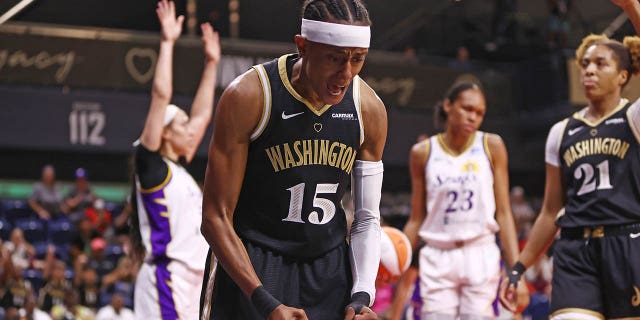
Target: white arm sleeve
365,230
552,148
633,114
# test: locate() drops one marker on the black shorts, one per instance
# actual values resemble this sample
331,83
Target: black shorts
599,275
321,286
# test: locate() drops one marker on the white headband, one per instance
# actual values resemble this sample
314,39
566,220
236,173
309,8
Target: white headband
169,114
336,34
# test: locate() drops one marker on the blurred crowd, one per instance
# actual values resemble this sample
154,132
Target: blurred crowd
64,256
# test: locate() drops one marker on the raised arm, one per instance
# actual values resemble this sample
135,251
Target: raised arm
632,8
367,187
162,89
202,107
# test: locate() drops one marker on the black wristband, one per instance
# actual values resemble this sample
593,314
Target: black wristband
263,301
516,273
359,300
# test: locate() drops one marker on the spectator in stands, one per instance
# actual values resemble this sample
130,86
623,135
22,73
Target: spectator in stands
124,272
22,252
80,196
523,213
461,63
559,26
410,54
98,260
121,229
31,311
71,309
99,216
53,291
503,23
87,282
15,289
81,242
115,310
46,199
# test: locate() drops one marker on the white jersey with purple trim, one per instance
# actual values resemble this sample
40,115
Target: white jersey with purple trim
459,192
170,217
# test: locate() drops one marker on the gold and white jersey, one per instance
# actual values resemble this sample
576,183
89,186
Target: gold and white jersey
460,200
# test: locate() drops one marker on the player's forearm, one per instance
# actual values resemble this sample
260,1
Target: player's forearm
411,229
365,229
541,234
203,101
402,293
632,9
229,250
508,237
163,78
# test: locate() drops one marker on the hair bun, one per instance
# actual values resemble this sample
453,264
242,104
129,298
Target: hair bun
633,44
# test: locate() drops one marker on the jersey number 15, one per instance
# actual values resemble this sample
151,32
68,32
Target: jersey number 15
327,207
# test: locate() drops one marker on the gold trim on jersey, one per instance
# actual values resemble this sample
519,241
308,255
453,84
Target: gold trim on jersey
446,149
362,82
266,109
578,310
560,214
428,148
160,186
357,102
208,294
632,124
282,70
485,143
635,300
580,114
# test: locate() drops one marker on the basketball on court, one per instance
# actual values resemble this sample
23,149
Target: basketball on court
395,254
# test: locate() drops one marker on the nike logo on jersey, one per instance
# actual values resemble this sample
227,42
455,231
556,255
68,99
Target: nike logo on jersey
288,116
634,235
614,121
574,130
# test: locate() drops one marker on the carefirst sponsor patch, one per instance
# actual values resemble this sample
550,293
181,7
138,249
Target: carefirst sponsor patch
343,116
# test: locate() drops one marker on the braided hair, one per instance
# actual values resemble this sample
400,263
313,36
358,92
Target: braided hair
351,11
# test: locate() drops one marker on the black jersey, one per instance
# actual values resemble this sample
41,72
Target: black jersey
298,167
600,165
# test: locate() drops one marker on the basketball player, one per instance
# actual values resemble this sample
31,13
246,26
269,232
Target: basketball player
593,175
168,199
288,135
460,199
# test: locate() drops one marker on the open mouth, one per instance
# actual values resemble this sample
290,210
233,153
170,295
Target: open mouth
335,90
